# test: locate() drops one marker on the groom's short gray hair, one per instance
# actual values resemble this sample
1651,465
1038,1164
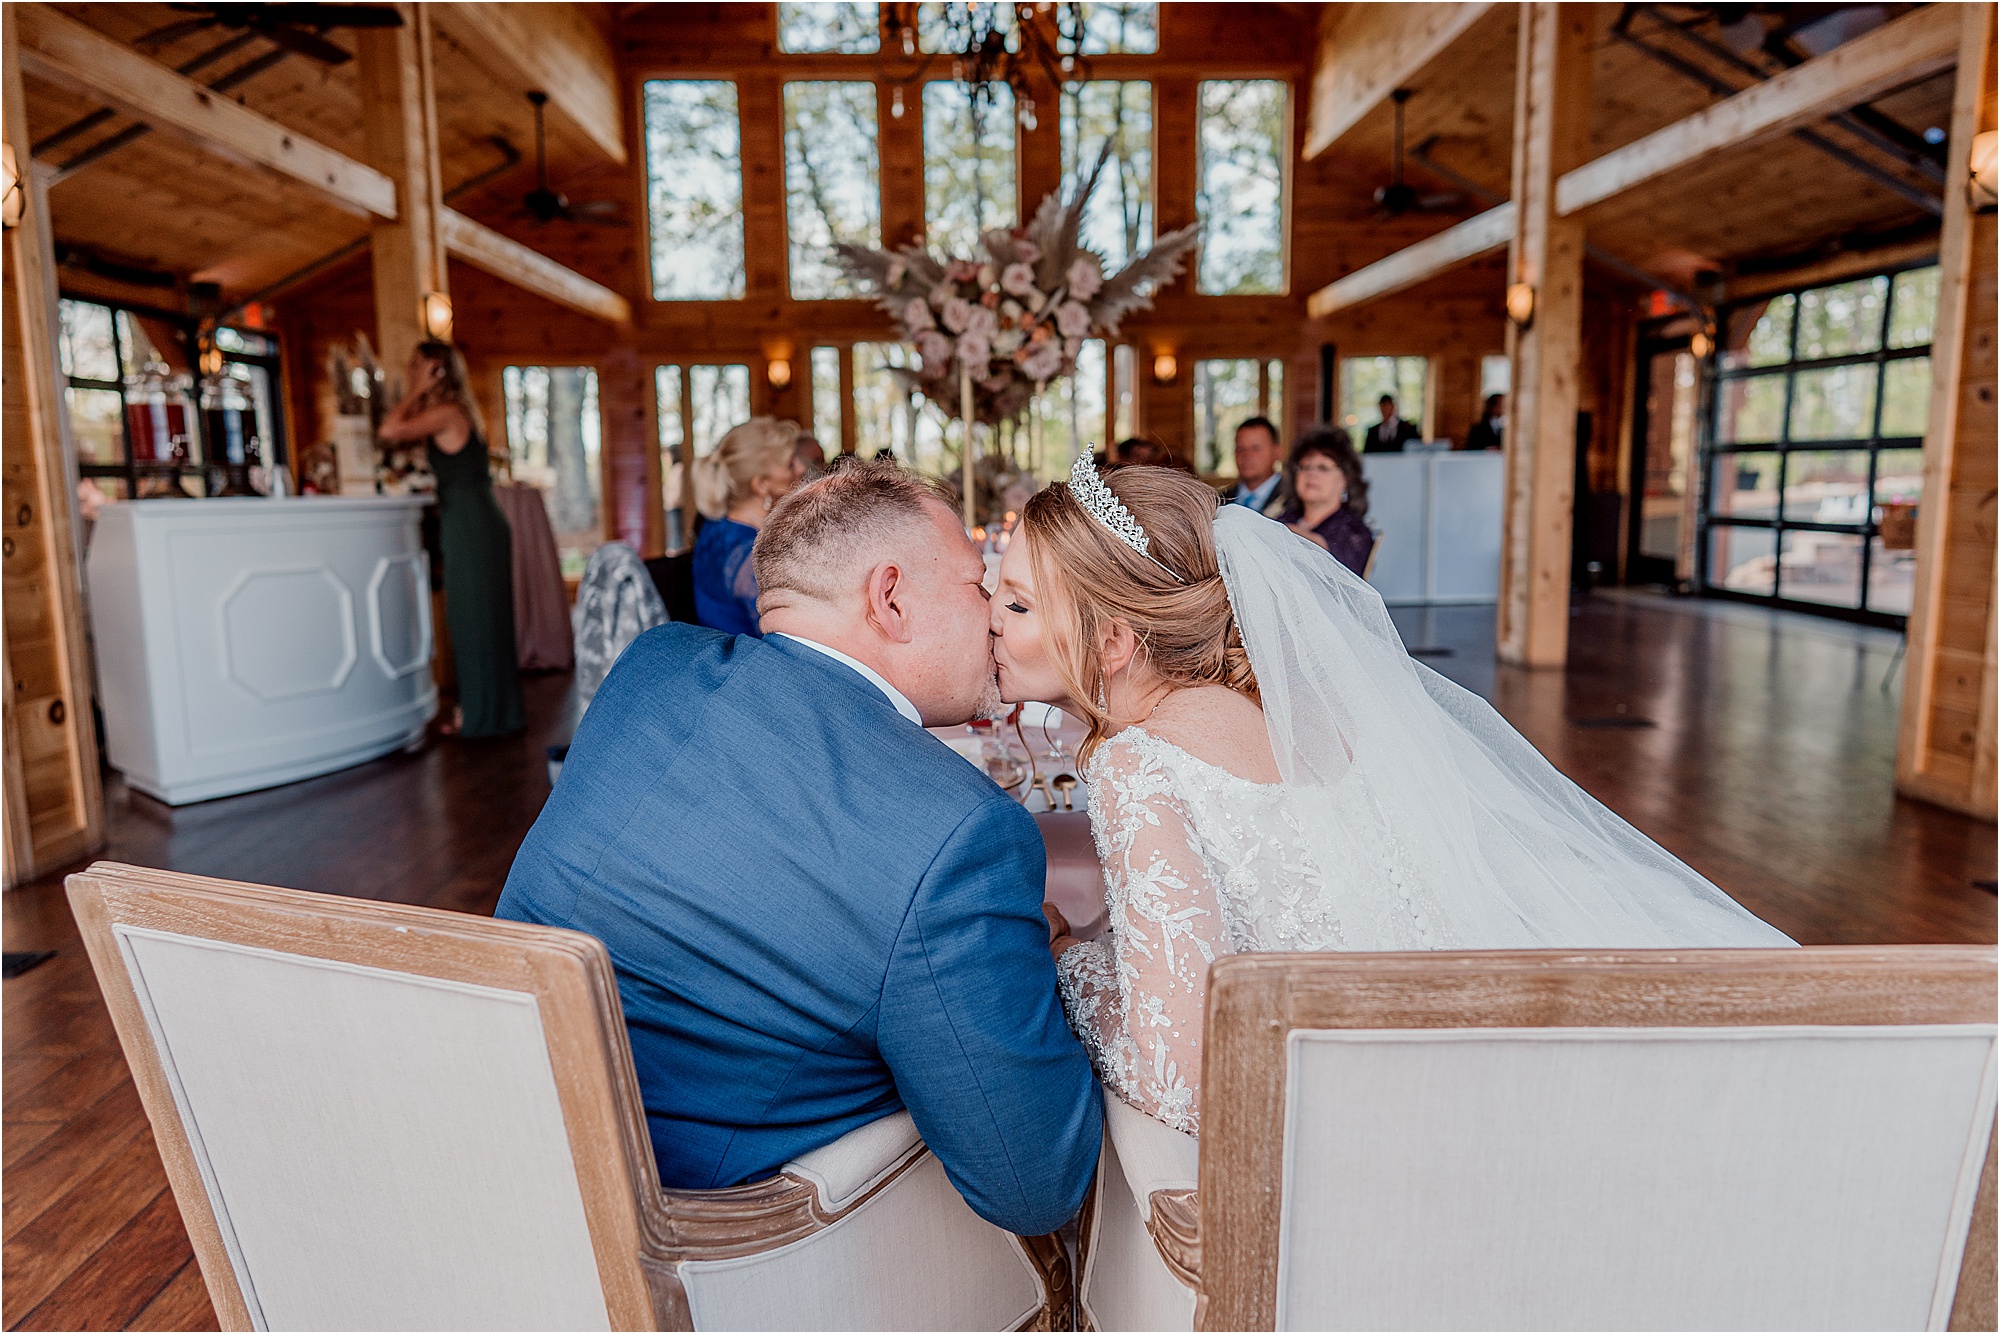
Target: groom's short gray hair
813,542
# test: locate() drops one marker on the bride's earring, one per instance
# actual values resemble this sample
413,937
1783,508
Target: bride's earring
1102,707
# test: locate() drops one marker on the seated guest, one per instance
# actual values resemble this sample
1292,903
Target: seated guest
819,914
750,469
1326,497
1137,449
1389,435
1489,432
811,456
1257,472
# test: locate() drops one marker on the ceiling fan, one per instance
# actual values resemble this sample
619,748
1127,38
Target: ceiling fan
545,205
296,27
1396,198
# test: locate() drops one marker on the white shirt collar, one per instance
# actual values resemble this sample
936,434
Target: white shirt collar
896,697
1256,496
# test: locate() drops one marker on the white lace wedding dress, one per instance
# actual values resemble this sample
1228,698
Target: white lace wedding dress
1411,817
1189,850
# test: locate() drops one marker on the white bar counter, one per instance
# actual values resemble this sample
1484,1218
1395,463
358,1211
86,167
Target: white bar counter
1439,517
244,642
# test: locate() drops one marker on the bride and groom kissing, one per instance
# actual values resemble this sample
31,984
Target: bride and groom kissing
820,915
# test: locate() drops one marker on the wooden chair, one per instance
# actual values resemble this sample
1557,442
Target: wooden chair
1700,1139
385,1117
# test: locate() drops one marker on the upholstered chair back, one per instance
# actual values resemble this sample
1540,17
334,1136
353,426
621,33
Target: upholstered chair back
383,1117
1740,1139
378,1117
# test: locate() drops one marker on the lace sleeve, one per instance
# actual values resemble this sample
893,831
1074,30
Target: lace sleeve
1137,1000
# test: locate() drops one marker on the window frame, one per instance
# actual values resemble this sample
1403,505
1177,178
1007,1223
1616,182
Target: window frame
1713,453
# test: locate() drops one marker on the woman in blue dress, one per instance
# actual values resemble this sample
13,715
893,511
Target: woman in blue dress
735,486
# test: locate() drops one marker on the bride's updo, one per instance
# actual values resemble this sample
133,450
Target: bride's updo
1085,578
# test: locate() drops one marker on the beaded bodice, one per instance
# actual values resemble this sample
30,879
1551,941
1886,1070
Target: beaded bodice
1199,863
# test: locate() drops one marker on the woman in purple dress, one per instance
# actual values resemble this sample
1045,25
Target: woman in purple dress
1326,497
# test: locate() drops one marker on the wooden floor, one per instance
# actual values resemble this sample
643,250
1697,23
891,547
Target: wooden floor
1766,766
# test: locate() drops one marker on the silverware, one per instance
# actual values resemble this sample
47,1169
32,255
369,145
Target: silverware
1064,784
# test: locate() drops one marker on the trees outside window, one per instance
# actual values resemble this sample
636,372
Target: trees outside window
832,181
1118,220
694,189
830,25
968,166
554,442
1244,142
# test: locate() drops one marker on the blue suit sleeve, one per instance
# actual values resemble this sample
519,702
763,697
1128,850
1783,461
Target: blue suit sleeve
973,1030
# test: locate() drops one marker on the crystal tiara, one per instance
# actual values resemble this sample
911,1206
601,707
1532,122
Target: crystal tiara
1110,512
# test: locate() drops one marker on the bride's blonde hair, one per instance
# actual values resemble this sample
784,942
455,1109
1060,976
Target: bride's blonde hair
1085,579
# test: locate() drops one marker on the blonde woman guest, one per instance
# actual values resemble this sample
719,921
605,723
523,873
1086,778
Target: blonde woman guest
478,544
1270,770
735,487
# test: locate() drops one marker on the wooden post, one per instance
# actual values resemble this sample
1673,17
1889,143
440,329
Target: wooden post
1945,748
1551,111
399,124
55,804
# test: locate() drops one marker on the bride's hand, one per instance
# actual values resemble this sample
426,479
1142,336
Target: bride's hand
1061,943
1058,924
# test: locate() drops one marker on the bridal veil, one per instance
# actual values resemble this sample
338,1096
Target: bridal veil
1501,850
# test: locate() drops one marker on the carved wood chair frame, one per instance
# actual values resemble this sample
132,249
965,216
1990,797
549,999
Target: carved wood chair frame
1222,1239
639,1232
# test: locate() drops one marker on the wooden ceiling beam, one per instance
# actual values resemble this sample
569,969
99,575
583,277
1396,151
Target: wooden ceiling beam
1913,47
1893,56
530,270
65,52
1367,51
1479,235
551,48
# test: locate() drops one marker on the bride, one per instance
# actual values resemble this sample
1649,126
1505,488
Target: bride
1270,770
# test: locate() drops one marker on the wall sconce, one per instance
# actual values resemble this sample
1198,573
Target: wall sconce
211,359
437,316
13,199
778,372
1521,304
1166,368
1701,345
1984,183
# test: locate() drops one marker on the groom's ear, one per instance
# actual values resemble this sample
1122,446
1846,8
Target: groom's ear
887,596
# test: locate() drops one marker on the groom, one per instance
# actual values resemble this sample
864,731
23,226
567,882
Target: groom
818,913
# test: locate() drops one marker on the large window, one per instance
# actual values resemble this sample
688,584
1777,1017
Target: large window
1244,142
824,367
968,166
1815,457
694,189
831,181
950,29
1363,381
830,25
1118,29
1118,220
1226,394
554,442
889,415
696,407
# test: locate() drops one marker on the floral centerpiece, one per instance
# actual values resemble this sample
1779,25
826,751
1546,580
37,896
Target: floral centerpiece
993,330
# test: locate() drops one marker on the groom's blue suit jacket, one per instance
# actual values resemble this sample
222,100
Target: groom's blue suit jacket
819,915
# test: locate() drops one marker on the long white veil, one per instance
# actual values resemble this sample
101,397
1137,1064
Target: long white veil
1491,846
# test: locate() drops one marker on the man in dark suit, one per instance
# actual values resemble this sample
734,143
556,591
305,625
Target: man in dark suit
1389,435
1258,478
819,914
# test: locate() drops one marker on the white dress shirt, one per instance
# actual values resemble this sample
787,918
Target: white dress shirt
1258,498
895,696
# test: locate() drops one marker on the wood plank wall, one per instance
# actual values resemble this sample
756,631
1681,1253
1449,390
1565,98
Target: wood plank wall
1455,320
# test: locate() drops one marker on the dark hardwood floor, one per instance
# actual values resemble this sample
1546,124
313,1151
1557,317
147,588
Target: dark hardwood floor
1767,766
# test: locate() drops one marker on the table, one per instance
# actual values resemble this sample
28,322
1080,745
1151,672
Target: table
1075,879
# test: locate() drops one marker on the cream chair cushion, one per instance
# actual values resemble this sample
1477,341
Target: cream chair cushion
382,1151
1126,1285
913,1256
1630,1178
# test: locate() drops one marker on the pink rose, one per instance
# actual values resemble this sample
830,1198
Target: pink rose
957,313
1017,279
917,316
1085,278
974,350
935,349
1072,319
1027,251
1044,363
961,271
981,321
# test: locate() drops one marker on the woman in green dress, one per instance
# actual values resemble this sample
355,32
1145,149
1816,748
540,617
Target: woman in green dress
478,544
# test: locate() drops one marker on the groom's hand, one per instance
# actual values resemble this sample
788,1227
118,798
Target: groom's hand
1058,924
